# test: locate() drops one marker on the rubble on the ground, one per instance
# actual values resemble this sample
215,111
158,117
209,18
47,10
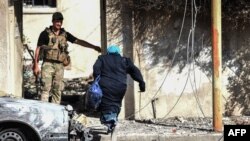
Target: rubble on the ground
73,93
171,125
73,86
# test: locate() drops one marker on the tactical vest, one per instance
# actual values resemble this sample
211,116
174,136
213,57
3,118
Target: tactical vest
57,49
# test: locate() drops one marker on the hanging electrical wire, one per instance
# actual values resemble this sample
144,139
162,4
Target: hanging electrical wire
183,89
178,41
190,61
194,17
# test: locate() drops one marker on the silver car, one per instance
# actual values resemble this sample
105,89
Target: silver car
32,120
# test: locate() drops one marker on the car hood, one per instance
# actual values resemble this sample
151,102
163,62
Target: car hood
46,118
8,104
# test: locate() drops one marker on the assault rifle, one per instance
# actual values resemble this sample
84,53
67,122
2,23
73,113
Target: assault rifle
37,79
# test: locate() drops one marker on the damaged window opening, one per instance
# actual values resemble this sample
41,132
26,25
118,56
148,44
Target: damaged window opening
39,3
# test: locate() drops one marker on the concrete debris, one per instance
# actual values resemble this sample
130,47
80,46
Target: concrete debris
74,86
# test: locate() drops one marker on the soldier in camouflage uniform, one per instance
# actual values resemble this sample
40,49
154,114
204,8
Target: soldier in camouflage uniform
52,42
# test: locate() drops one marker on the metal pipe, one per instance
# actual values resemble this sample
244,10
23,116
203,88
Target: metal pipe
217,63
153,107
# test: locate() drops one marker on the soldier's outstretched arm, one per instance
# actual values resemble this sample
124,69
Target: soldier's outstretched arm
87,44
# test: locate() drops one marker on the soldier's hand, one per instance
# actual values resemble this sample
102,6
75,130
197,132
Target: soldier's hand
36,70
98,49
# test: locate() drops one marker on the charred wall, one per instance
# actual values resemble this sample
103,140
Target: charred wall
172,39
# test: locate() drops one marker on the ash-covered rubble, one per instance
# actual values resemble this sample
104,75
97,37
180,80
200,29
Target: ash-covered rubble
73,93
176,125
29,85
73,86
76,86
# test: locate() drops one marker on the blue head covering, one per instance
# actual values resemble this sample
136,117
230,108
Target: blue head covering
114,49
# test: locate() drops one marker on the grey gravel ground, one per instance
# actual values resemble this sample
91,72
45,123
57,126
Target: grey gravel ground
175,125
174,129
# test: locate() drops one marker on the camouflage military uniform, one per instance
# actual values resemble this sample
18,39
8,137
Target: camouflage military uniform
52,73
